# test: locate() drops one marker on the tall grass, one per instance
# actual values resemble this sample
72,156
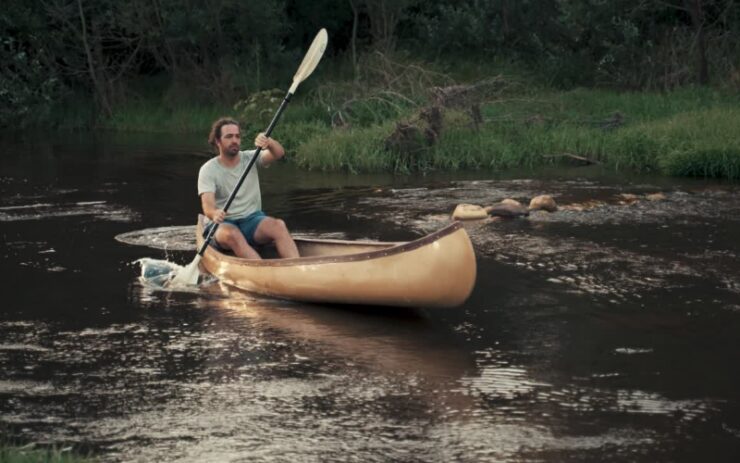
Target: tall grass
689,132
10,454
344,125
149,116
704,143
351,150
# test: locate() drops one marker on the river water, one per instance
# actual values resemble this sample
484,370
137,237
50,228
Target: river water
607,331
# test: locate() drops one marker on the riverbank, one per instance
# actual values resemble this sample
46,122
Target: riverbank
686,132
690,132
10,454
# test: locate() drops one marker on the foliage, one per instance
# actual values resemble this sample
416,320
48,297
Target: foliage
224,50
686,132
256,111
27,88
625,43
174,65
351,150
702,143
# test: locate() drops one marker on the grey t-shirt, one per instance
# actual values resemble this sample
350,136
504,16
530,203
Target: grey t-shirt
214,177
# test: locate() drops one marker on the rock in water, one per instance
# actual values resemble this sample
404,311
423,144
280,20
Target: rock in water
469,212
507,210
543,202
656,197
510,202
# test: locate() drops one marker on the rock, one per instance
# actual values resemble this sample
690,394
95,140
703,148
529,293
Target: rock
512,202
469,212
656,197
507,210
543,202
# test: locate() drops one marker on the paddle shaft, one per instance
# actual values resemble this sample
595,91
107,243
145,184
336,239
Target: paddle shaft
243,177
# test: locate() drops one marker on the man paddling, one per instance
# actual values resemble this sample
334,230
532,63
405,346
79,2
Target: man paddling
245,226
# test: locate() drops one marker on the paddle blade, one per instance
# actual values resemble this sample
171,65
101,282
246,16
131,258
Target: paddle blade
311,60
188,275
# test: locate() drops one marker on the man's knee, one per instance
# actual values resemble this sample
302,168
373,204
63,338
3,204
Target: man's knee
276,226
280,226
230,236
272,229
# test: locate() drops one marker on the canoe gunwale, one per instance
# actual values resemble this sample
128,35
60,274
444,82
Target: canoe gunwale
396,248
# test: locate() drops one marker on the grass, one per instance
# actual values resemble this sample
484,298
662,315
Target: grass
149,116
352,150
343,126
27,454
689,132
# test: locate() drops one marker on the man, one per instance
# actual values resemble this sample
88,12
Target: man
245,226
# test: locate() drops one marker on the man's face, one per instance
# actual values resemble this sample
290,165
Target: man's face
230,140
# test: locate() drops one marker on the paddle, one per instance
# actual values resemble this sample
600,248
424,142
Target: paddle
189,275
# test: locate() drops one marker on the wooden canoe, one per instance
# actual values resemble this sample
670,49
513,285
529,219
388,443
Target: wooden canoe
437,270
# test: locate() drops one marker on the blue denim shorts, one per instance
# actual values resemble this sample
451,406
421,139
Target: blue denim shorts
247,225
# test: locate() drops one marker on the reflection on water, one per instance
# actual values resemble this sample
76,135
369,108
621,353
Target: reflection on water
605,333
98,210
238,374
180,238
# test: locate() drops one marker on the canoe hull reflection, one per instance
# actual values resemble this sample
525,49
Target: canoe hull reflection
437,270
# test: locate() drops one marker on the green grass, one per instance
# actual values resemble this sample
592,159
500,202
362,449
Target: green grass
352,150
11,454
583,106
686,132
703,143
689,132
150,116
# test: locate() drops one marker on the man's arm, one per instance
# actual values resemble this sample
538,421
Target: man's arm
272,150
208,201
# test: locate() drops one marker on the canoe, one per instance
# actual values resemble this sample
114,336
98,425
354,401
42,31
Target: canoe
437,270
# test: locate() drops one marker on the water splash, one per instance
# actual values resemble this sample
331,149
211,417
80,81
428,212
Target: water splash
158,274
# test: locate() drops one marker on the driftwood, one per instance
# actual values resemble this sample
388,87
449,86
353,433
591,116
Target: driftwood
574,157
612,122
465,96
412,137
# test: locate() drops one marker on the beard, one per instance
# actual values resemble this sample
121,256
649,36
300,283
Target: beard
232,151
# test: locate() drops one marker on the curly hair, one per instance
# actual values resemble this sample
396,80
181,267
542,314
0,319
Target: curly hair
215,134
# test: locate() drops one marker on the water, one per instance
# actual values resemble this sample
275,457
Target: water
604,332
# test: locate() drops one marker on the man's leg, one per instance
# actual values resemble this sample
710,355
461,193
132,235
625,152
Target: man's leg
271,229
230,237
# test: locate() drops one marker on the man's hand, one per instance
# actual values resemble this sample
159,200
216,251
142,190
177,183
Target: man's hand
273,150
218,216
263,141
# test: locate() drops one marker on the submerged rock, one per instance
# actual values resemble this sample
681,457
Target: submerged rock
543,202
584,206
627,199
656,197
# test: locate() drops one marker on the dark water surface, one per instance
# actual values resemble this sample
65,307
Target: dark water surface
610,333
